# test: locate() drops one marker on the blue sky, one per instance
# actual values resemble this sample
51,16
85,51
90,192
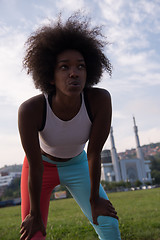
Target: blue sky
133,30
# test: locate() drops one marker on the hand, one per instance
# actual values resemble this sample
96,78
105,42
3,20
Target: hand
30,226
102,207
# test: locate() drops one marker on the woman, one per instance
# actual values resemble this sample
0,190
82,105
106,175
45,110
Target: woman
65,60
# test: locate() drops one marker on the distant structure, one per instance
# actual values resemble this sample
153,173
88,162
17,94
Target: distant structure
115,161
6,178
114,169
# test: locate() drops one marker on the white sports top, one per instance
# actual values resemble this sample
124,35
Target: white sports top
65,139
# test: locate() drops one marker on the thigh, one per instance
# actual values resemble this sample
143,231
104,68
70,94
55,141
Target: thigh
77,179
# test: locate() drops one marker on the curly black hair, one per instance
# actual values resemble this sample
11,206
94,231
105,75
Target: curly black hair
46,43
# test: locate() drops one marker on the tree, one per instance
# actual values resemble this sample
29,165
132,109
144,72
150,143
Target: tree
115,186
138,183
155,174
155,169
155,163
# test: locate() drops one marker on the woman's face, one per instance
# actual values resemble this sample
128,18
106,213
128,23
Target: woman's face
70,73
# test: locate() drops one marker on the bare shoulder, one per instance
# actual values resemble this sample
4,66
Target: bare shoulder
32,105
31,112
98,94
99,99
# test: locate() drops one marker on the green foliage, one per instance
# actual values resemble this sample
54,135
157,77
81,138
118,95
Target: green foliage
155,176
155,169
115,186
155,164
153,145
138,213
138,183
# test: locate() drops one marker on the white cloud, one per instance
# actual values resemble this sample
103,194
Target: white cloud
70,5
146,106
118,115
14,84
111,10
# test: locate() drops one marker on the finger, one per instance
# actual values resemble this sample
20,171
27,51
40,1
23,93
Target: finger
114,216
43,231
108,213
22,230
95,220
29,237
22,225
109,202
23,236
112,210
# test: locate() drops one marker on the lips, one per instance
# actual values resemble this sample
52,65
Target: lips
74,83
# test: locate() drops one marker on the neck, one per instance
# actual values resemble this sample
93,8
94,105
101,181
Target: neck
67,107
66,101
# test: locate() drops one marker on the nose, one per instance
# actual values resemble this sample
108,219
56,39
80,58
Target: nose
73,73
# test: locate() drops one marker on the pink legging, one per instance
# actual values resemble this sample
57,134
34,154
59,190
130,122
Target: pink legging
50,181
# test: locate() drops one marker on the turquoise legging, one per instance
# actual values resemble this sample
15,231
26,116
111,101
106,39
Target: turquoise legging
74,174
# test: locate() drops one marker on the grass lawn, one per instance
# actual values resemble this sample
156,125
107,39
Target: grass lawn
138,211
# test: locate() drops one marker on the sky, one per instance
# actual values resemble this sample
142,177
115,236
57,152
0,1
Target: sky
132,29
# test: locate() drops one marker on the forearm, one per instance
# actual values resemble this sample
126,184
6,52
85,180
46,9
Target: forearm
94,162
35,185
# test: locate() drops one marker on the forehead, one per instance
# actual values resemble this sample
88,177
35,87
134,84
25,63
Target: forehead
69,55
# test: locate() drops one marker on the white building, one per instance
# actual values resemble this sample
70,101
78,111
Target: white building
113,169
6,179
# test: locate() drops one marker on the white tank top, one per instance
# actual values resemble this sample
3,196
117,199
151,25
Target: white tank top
65,139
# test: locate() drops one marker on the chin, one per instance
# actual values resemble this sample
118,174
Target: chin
75,92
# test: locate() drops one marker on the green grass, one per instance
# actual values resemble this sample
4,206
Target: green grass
139,218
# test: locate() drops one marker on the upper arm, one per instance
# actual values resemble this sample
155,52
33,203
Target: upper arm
29,118
102,112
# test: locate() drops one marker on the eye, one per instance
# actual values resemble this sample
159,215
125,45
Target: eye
82,66
64,67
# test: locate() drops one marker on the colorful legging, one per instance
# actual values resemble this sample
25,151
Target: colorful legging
74,174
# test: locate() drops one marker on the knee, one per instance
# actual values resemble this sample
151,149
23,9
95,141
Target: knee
107,221
108,228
